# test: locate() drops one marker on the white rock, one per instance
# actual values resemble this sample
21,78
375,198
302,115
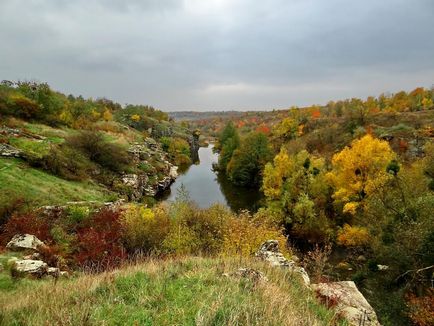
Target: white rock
350,303
382,267
32,267
24,242
53,271
269,251
173,174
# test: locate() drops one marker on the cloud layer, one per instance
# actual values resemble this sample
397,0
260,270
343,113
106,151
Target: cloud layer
219,54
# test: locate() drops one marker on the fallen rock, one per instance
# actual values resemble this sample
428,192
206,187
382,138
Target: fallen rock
349,303
36,268
269,251
22,242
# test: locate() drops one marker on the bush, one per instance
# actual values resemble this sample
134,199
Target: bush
315,262
27,222
178,149
244,234
109,155
77,214
100,241
209,227
421,309
24,107
144,229
65,162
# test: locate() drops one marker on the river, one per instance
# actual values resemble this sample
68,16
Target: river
206,187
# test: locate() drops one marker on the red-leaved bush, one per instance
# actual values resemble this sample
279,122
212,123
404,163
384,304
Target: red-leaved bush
421,309
26,223
99,241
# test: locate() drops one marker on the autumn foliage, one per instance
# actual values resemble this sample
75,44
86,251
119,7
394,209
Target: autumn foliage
27,222
359,170
353,236
99,241
421,309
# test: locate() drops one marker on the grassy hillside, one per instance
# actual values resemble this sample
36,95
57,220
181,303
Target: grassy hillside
188,291
61,138
18,180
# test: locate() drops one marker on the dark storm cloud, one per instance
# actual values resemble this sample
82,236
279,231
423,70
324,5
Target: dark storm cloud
219,54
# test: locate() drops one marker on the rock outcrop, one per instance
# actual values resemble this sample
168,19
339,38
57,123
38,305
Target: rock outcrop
156,172
269,251
9,151
30,265
344,296
35,268
349,303
22,242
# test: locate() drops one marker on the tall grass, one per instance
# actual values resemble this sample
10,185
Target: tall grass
188,291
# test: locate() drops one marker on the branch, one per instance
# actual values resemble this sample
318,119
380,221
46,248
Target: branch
414,271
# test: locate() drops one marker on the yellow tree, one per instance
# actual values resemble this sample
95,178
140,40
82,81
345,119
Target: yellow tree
107,116
286,129
135,117
427,103
359,170
274,175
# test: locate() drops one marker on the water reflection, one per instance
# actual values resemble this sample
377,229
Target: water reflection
207,187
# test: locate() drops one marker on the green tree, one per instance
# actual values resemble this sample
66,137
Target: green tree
248,160
229,141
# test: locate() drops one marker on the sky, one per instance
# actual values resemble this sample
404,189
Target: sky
219,54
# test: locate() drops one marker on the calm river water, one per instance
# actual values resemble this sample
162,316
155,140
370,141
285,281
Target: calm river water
207,187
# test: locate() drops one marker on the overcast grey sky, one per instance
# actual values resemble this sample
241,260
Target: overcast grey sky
219,54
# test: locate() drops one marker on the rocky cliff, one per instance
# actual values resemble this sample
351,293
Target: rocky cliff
155,174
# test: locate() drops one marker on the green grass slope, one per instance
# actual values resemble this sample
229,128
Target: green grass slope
189,291
18,180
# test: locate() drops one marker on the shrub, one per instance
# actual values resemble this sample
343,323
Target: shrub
77,214
209,226
144,229
27,222
64,161
316,260
24,107
54,256
244,234
421,309
64,241
7,211
178,149
181,240
109,155
100,241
